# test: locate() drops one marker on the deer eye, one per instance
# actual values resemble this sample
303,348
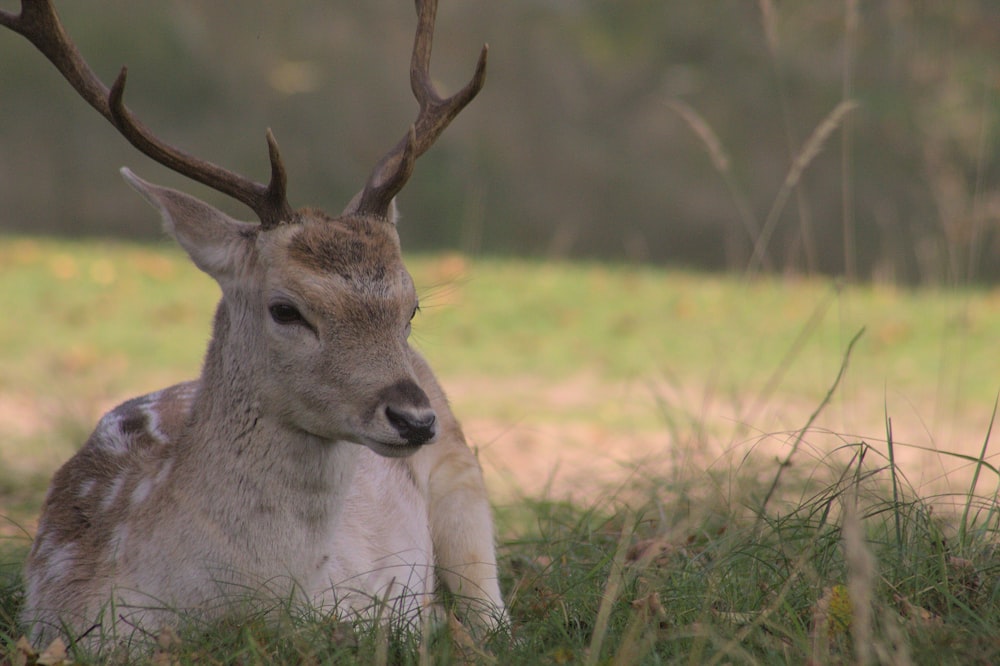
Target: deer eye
285,314
409,324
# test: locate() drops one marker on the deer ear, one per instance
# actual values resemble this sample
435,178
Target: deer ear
218,244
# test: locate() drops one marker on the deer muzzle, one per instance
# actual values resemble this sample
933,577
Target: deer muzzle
408,410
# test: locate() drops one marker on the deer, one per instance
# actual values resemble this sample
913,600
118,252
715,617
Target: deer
315,457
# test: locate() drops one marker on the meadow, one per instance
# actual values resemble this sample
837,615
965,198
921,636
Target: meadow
686,468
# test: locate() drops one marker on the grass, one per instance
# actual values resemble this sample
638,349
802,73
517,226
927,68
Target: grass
663,582
81,302
798,546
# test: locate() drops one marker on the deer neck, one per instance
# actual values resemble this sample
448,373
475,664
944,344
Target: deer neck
283,471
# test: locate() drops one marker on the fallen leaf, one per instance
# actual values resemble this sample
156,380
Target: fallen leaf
466,644
656,551
342,633
23,652
917,614
163,659
961,562
167,639
649,605
54,654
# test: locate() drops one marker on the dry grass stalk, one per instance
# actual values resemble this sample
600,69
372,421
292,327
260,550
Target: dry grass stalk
802,160
860,581
769,19
720,161
701,128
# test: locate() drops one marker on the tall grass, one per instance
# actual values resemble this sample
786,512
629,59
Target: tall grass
841,562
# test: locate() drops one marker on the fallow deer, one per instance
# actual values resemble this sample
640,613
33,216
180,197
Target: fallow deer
316,455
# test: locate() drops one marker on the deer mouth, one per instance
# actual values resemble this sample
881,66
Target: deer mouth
394,449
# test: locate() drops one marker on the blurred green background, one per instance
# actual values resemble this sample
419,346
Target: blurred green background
640,130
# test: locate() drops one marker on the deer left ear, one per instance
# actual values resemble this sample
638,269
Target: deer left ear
218,244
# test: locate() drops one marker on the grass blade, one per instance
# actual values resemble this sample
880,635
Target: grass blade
611,590
895,485
812,419
980,463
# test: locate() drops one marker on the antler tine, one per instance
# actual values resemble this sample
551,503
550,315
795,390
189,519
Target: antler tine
39,24
436,113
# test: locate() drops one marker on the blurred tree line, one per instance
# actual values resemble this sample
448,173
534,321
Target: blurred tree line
716,135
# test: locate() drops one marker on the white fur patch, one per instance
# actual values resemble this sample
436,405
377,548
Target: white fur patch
152,412
112,439
116,546
161,475
113,490
61,562
142,490
86,488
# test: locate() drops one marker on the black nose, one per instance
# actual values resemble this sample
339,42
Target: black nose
415,425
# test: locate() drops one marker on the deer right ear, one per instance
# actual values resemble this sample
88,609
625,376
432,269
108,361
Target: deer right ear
218,244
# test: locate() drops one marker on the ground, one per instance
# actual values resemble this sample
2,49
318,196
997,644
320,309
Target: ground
579,437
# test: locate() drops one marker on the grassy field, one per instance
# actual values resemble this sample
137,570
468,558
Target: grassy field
679,474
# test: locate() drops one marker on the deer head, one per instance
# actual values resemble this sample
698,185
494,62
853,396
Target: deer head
313,323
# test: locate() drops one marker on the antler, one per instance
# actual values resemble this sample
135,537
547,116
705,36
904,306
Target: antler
39,23
394,169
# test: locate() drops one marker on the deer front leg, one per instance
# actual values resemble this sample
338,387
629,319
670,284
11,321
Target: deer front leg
460,517
462,531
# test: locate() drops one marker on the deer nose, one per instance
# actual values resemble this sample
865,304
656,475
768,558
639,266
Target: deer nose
416,425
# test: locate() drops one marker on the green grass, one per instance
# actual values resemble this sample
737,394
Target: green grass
688,565
684,577
129,312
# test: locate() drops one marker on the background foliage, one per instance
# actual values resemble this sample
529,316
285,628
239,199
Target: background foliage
618,129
